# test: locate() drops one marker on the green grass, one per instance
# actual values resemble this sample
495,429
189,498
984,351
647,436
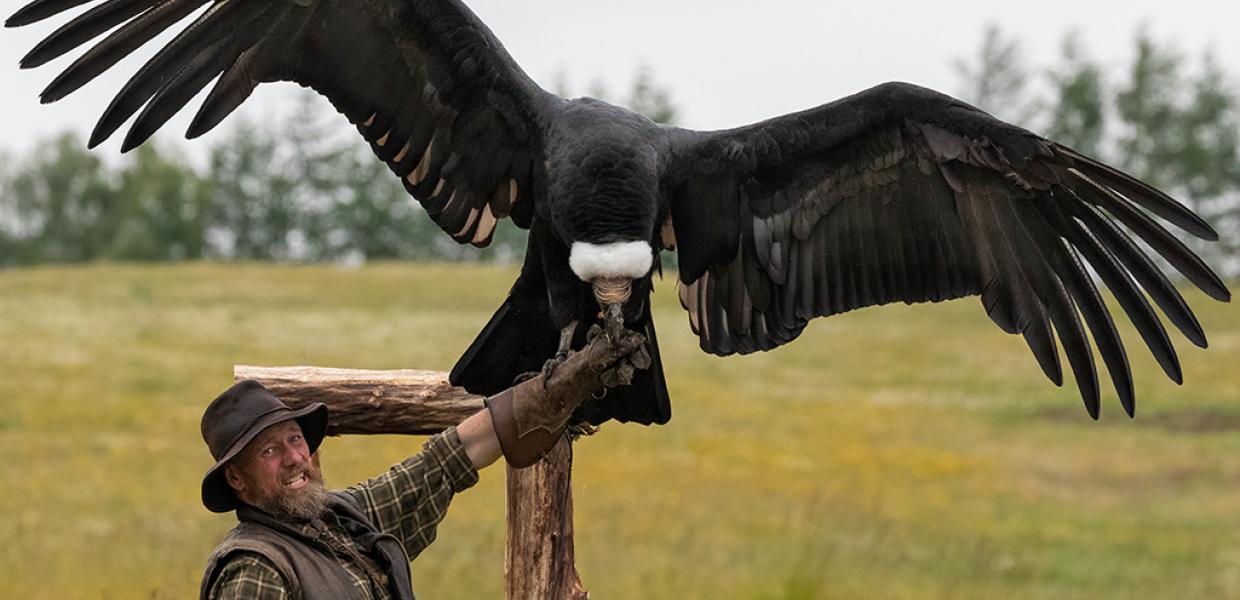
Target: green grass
902,452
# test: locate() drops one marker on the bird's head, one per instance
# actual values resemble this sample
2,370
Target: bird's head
610,270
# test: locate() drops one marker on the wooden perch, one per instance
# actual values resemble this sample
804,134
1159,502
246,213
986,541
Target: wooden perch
370,402
539,559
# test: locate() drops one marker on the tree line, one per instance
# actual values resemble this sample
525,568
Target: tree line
300,190
1166,117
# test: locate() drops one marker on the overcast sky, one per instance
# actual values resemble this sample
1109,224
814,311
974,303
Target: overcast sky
727,62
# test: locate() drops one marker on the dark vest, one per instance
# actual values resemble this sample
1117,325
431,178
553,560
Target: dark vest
308,565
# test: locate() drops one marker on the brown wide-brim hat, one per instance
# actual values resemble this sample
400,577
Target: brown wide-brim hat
234,418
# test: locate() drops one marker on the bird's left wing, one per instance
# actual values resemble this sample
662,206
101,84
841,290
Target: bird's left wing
426,83
903,194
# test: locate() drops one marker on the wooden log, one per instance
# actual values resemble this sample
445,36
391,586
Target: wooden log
370,402
540,559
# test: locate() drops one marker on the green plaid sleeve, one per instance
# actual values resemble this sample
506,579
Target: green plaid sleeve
248,576
412,498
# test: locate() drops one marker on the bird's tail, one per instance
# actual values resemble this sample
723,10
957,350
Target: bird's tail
521,336
645,400
518,339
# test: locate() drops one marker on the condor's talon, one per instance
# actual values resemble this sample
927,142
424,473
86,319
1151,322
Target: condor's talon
614,332
595,331
580,430
641,358
563,350
551,365
524,377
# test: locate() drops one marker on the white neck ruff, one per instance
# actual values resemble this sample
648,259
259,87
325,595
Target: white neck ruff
630,260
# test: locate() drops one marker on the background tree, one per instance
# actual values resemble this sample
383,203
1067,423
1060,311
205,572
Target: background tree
253,209
7,241
645,96
373,218
996,80
162,206
1148,107
317,157
1207,157
1179,132
649,98
1077,116
58,205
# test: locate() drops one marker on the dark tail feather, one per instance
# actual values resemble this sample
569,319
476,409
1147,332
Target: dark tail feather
519,338
644,401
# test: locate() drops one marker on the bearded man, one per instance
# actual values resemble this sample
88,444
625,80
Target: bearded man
296,539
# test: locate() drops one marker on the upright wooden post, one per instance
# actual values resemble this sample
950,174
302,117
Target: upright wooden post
539,560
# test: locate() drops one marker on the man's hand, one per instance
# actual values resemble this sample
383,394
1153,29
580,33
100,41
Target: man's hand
529,417
621,358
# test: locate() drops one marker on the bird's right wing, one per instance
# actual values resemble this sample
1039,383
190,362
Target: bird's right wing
901,194
426,83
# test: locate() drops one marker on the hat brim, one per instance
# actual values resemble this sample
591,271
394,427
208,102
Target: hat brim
217,495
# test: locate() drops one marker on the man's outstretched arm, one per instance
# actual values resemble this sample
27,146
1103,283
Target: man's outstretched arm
477,435
522,423
412,497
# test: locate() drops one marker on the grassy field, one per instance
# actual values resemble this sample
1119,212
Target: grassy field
904,452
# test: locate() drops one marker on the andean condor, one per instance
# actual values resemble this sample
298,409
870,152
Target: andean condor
897,193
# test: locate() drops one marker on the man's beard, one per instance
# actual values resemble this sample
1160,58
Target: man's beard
303,504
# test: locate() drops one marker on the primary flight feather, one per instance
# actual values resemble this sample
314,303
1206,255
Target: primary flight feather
897,193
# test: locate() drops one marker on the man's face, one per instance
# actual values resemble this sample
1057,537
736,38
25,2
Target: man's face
276,473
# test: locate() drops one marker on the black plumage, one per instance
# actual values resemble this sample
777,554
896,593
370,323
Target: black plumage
895,194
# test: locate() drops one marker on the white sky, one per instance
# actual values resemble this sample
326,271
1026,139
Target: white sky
727,62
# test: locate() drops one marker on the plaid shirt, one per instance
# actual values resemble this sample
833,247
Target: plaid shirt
407,502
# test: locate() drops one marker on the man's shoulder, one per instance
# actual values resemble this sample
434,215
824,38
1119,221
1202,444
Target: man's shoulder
246,574
246,537
249,539
246,560
242,561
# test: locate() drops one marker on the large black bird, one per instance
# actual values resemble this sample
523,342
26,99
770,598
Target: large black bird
897,193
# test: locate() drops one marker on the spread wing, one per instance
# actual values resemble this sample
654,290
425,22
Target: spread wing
426,83
903,194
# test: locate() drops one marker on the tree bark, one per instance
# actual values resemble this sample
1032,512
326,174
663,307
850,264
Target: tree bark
370,402
540,561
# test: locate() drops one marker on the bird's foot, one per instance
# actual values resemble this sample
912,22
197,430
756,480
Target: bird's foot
563,350
552,364
579,430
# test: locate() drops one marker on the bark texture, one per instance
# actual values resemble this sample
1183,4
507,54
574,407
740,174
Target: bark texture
370,402
540,561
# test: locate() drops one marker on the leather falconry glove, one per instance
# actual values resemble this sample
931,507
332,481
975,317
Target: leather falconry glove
530,417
